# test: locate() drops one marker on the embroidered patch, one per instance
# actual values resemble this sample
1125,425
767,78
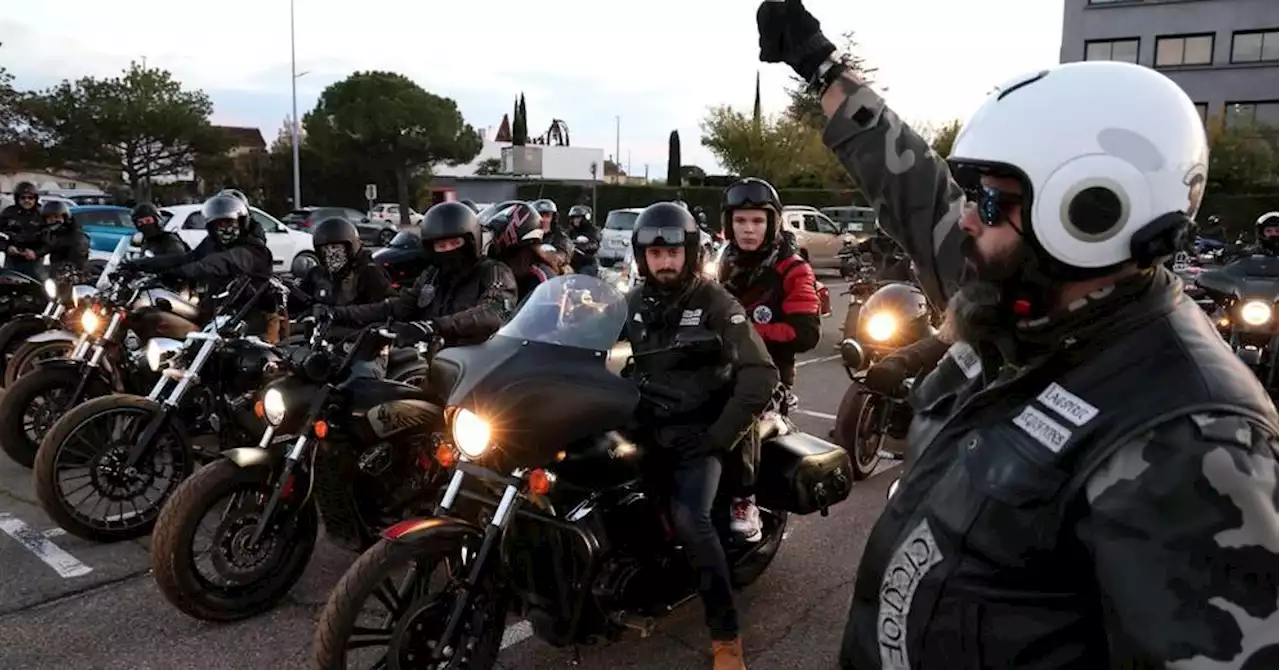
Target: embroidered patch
738,319
1067,404
691,317
1046,431
762,314
966,358
911,561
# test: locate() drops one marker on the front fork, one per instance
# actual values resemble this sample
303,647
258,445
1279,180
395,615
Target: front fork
145,444
286,482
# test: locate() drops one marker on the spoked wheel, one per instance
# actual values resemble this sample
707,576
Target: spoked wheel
232,577
393,604
84,482
860,429
30,407
24,360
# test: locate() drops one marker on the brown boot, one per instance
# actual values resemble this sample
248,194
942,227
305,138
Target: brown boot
727,654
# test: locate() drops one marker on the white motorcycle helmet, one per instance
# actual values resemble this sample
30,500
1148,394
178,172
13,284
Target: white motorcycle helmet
1106,150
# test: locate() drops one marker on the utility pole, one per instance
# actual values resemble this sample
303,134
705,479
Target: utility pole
293,124
617,142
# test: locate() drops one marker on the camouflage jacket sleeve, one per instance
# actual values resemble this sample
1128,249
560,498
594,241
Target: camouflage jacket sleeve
916,201
1181,525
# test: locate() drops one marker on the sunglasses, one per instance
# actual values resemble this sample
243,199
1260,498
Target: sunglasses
660,237
991,203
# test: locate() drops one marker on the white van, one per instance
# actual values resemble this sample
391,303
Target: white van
615,235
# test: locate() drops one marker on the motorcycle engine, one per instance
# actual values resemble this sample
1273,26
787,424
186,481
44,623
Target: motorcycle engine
636,574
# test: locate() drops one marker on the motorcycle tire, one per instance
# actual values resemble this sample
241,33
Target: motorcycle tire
853,410
173,561
366,577
26,356
14,334
18,400
53,448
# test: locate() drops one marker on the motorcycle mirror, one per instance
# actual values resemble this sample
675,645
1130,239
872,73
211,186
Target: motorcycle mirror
851,354
299,266
136,239
893,488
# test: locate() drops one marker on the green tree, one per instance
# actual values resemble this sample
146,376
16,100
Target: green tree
692,174
945,137
386,124
1242,157
521,130
804,106
781,149
11,120
142,124
489,166
756,113
673,159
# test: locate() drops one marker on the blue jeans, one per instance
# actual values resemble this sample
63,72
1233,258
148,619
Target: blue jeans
693,492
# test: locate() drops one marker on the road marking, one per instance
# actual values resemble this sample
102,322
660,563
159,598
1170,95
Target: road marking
516,633
820,415
820,359
53,556
54,532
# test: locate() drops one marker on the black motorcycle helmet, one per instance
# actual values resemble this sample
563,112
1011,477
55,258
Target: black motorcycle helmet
579,214
146,218
547,207
1267,232
451,220
55,213
666,224
226,218
25,195
514,227
895,316
336,241
752,193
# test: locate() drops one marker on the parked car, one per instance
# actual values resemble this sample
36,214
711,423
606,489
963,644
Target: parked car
402,257
859,222
615,236
290,249
817,236
391,212
374,233
293,218
104,224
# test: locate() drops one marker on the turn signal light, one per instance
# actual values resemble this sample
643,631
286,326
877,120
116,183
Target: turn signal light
445,455
322,429
541,481
259,410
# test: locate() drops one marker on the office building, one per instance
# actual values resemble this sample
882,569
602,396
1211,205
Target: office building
1223,53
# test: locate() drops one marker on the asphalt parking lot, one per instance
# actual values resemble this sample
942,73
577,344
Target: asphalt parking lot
69,603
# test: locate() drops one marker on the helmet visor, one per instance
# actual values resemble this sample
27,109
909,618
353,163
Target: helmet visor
660,237
749,195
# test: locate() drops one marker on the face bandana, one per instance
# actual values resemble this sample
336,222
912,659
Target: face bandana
227,230
334,257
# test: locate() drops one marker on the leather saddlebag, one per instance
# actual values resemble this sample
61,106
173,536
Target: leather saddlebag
802,474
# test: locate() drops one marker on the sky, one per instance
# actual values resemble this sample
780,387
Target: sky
649,67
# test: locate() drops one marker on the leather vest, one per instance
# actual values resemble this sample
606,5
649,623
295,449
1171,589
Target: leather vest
973,563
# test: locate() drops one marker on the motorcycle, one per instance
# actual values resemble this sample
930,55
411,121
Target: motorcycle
127,444
545,506
363,458
20,293
65,290
1247,293
871,426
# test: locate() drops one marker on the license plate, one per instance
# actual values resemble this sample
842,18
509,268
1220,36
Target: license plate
617,243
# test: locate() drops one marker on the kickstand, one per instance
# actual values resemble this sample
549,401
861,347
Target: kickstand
577,656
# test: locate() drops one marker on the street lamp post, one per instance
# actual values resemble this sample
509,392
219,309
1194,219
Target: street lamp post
293,80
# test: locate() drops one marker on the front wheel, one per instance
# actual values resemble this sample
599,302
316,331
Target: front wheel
860,429
30,407
83,482
412,610
26,357
243,578
15,333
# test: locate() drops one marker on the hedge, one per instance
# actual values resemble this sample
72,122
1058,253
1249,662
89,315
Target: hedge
1237,212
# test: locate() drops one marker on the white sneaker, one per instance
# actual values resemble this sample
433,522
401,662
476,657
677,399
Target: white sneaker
746,520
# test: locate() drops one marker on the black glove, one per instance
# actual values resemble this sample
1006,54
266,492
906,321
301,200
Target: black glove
886,376
789,34
409,334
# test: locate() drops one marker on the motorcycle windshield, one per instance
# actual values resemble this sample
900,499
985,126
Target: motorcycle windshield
571,310
117,257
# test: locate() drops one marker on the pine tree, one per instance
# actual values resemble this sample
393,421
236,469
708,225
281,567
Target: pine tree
673,159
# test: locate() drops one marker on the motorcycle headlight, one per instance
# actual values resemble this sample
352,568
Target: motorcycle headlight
470,433
273,406
51,288
161,350
89,321
882,326
1255,312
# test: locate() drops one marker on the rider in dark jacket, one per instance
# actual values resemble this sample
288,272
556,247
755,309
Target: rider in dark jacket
517,242
61,238
586,240
346,274
1088,423
722,394
157,240
461,296
21,222
553,236
235,246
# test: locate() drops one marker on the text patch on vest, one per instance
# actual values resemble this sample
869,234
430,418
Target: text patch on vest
966,359
1046,431
1067,404
911,561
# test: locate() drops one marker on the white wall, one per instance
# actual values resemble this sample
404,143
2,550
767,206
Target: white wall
44,181
556,162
